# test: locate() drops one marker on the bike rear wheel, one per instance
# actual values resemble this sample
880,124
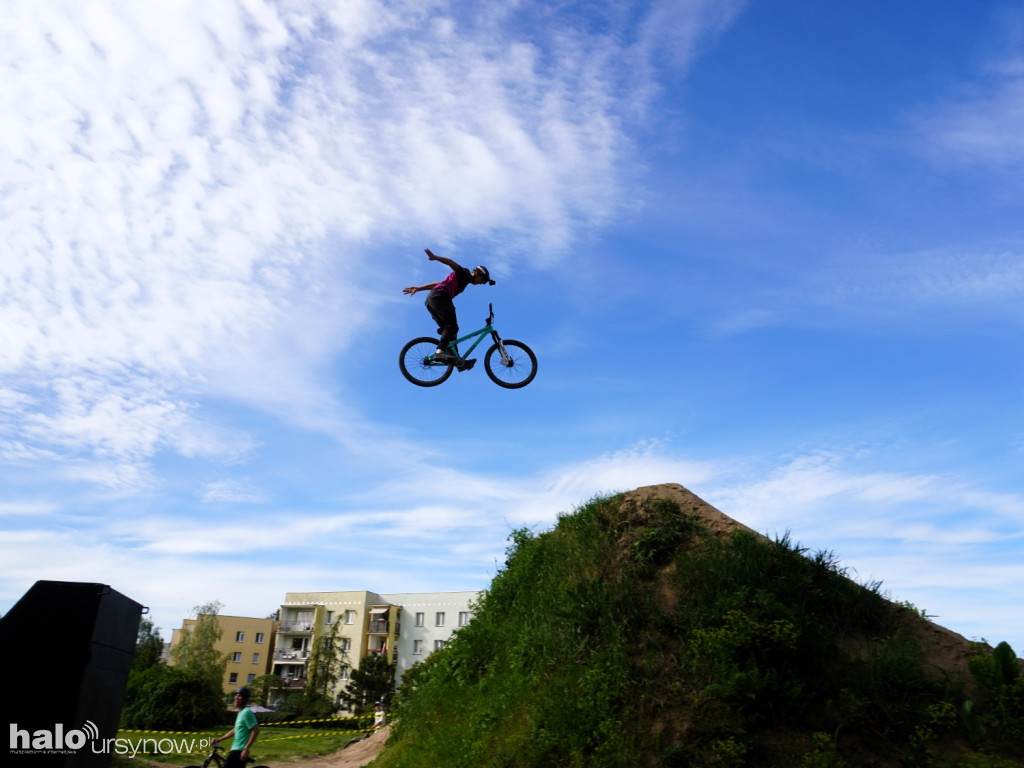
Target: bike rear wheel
416,366
516,369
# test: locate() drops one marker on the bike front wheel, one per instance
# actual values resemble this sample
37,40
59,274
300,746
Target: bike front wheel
513,369
417,367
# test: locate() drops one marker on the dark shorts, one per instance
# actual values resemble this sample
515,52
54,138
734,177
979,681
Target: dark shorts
442,309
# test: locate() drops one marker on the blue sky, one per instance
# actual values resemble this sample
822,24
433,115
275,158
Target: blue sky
772,252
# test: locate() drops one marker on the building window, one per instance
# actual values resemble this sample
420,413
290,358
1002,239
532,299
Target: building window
259,637
330,617
236,656
463,618
439,619
417,647
343,675
233,678
350,617
421,619
250,677
239,637
346,644
255,658
438,645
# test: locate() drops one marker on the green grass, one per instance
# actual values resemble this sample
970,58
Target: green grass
625,638
275,744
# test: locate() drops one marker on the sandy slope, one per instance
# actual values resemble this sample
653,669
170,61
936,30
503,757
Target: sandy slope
354,756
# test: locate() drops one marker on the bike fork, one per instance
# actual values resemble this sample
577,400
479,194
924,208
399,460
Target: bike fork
501,347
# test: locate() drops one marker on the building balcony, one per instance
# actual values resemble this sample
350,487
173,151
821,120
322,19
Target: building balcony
303,628
297,656
377,627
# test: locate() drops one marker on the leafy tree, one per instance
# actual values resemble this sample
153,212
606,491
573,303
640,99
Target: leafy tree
149,647
168,698
197,657
196,652
325,662
185,695
416,677
263,687
373,681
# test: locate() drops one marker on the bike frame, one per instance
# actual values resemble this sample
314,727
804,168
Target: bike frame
487,329
215,758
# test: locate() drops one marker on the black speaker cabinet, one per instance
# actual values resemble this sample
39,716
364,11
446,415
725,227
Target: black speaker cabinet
69,649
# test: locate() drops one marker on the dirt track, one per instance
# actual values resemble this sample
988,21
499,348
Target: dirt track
354,756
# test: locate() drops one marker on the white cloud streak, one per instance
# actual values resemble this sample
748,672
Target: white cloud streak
982,125
188,189
899,292
938,541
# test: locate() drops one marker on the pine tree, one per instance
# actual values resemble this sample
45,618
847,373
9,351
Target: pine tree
373,681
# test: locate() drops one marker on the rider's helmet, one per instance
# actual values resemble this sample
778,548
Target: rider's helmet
245,693
484,272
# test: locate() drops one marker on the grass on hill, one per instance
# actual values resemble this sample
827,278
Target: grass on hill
634,636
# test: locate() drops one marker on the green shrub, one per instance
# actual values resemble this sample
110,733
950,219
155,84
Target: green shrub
168,698
998,721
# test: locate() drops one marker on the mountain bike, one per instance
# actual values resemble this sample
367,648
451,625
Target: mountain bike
215,760
510,364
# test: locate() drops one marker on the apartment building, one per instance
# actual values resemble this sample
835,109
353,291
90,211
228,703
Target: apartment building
428,620
247,642
406,627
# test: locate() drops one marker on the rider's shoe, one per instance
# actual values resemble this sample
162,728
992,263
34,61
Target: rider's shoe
465,365
440,356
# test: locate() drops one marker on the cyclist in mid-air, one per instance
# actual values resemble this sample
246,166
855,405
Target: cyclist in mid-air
439,301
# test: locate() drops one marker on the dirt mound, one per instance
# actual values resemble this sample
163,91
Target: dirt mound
945,651
628,611
690,503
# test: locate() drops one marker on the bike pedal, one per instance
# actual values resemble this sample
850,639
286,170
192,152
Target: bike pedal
466,365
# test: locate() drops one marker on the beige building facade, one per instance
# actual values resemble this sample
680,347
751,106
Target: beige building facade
247,642
405,627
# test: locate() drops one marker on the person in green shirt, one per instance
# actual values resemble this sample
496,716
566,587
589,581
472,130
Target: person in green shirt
245,731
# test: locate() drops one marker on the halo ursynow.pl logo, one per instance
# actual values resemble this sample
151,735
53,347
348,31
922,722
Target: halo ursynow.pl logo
55,741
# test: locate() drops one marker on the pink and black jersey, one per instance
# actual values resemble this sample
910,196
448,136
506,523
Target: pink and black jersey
455,283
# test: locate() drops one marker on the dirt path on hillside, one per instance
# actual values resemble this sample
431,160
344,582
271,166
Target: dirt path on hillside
354,756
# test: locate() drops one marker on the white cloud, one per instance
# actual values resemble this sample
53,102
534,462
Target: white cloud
947,278
944,544
897,292
233,491
800,492
189,189
985,126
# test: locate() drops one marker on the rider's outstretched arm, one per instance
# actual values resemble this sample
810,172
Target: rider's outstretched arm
443,259
417,288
